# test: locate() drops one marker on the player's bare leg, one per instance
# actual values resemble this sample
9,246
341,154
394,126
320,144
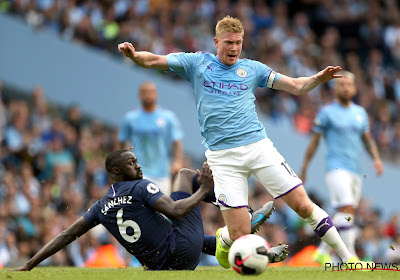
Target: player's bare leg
322,225
237,224
319,220
183,181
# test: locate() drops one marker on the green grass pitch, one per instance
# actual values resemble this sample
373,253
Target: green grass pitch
201,273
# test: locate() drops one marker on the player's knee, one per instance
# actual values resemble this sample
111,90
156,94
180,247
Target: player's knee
186,173
183,180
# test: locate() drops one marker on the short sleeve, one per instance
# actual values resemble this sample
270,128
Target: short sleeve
150,192
320,122
92,215
176,130
183,64
266,77
365,127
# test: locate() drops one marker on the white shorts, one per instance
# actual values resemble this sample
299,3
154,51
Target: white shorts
164,183
233,167
344,187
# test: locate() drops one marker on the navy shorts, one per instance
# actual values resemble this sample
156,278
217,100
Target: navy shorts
189,239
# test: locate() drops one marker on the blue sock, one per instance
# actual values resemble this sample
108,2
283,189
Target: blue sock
209,244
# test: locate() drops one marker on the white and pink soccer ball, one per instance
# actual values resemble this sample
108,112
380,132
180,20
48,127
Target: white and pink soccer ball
248,255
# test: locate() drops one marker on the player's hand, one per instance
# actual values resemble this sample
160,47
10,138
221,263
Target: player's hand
205,179
21,268
378,166
127,48
329,73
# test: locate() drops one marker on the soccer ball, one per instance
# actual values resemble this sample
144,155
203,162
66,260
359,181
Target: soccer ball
248,255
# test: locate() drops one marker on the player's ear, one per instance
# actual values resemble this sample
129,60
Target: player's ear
216,41
116,170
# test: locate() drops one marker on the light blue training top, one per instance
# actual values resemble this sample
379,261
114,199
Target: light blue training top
224,97
152,136
342,128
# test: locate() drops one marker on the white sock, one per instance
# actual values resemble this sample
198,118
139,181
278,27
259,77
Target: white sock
226,241
344,223
323,226
323,248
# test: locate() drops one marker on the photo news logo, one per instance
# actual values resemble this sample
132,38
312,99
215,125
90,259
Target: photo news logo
361,266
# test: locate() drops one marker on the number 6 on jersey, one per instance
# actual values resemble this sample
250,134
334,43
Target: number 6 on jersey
124,225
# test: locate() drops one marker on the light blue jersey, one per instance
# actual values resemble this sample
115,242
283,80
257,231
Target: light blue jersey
152,136
343,128
224,97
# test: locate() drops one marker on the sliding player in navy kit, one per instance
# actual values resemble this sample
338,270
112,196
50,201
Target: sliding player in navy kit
131,209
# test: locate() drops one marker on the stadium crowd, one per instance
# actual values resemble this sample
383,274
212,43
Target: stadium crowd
292,37
52,160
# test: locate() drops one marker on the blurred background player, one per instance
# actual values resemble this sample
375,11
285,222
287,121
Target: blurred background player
156,137
238,146
345,127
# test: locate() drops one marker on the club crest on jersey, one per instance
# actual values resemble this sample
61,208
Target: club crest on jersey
160,122
152,188
241,72
222,198
359,118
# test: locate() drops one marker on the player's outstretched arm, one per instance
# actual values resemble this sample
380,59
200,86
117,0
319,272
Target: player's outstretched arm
144,59
372,149
78,228
178,209
312,147
302,85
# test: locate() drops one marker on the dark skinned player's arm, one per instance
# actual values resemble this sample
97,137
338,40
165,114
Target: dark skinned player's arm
177,209
79,227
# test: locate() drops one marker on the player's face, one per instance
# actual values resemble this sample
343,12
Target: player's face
129,167
148,94
345,89
229,47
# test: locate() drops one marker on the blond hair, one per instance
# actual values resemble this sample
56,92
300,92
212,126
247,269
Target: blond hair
228,24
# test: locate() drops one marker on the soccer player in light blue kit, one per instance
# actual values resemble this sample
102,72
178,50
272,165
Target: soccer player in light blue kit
345,127
238,146
156,137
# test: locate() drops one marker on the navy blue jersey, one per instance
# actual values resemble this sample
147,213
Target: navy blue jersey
127,212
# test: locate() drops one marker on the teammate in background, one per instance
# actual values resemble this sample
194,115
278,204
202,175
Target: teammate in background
130,211
238,146
155,135
345,127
